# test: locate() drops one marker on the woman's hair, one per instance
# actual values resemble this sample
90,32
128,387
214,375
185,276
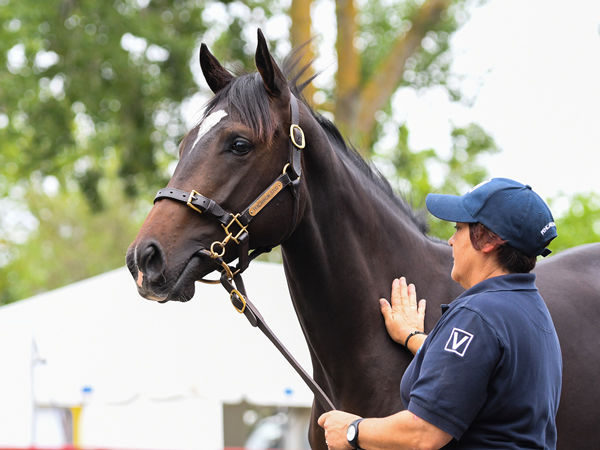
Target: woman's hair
509,258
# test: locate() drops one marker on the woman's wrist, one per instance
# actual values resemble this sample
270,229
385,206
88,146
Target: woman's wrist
408,338
414,341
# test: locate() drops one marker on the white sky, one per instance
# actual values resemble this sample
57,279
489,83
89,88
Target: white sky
536,66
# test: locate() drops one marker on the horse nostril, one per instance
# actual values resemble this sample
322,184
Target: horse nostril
151,262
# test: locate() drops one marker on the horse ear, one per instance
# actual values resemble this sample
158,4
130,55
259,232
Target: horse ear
273,79
215,74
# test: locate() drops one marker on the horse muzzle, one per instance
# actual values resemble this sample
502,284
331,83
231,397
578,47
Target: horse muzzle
147,264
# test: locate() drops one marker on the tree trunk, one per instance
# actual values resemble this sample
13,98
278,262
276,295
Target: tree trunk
301,34
359,100
348,73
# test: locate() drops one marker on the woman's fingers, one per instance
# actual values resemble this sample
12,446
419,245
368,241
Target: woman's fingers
404,292
412,296
421,308
396,295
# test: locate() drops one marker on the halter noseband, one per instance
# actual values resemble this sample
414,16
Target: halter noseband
236,225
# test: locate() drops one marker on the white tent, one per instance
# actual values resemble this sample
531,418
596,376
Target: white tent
147,375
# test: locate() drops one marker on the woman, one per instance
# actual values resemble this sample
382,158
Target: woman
489,373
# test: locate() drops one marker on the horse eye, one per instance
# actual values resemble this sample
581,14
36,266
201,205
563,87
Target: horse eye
241,146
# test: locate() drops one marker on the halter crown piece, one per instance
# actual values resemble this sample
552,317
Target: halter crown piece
236,230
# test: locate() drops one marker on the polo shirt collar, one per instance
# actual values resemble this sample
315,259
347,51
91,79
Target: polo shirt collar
509,282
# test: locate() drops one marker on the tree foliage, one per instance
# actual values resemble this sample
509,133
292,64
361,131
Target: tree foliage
580,223
462,168
71,241
89,78
404,43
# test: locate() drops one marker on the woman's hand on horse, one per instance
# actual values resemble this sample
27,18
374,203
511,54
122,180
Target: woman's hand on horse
405,314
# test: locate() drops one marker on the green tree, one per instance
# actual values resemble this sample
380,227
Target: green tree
461,169
72,241
580,223
89,78
380,47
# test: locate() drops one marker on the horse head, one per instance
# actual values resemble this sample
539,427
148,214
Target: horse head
234,187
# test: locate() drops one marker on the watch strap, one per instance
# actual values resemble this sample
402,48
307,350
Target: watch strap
354,442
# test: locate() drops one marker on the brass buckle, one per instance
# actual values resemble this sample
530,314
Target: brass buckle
239,295
191,199
229,233
293,136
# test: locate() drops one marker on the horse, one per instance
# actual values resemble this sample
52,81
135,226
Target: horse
344,236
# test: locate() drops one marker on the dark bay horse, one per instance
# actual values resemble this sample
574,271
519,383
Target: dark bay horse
344,236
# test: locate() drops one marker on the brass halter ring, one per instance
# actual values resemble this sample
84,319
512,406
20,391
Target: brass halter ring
285,168
213,253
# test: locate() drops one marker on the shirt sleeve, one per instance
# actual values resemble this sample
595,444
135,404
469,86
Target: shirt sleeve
455,372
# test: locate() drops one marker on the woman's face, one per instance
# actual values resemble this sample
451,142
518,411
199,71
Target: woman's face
466,258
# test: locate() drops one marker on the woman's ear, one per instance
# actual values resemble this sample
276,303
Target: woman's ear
489,247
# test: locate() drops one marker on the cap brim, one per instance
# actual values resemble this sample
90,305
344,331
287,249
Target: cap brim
448,207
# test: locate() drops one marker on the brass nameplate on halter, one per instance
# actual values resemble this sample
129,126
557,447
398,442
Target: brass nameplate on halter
265,198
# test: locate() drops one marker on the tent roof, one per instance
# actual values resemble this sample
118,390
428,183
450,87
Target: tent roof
100,333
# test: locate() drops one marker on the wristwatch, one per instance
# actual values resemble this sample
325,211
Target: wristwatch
352,433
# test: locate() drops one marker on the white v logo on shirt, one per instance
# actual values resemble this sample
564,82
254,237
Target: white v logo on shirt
458,342
455,344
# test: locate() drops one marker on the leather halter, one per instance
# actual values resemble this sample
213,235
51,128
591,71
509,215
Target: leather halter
231,278
236,225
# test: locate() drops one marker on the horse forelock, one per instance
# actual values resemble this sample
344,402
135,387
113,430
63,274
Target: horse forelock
246,101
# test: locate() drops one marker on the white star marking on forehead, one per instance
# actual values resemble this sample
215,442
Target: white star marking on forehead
209,122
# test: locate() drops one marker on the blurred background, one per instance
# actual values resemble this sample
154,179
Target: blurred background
438,94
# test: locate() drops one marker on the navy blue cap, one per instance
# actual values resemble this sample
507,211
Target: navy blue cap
508,208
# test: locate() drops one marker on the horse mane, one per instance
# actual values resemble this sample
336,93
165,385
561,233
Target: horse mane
370,171
247,103
294,71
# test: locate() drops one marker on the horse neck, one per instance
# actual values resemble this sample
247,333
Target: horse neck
350,243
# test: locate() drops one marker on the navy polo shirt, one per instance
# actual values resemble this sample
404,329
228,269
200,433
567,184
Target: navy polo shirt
489,373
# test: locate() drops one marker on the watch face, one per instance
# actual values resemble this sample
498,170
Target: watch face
351,433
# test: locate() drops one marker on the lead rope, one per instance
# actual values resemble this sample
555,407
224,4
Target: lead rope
239,300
